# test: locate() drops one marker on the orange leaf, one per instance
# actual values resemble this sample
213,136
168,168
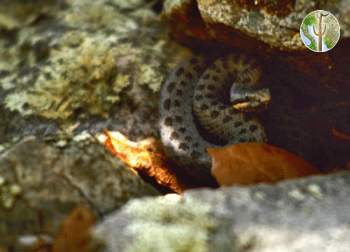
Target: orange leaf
74,234
145,157
340,135
250,163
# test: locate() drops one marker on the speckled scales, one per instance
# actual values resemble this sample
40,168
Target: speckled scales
218,118
192,95
179,133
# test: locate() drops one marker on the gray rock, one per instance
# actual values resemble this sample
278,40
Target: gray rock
92,62
243,23
40,184
275,23
311,214
68,67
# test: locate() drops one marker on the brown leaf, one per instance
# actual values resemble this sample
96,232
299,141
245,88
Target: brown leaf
145,157
74,234
340,135
251,163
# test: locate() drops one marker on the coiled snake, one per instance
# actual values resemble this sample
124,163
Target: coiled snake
205,106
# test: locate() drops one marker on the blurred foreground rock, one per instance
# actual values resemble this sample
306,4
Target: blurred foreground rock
310,214
40,184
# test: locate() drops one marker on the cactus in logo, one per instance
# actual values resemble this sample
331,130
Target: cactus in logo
320,31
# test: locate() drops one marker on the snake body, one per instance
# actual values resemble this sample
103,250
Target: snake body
195,111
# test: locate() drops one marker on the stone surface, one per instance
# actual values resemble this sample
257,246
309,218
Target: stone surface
275,23
88,62
41,183
311,214
68,68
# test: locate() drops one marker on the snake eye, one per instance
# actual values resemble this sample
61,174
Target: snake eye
237,94
246,99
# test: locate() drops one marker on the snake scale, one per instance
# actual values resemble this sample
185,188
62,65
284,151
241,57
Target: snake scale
197,112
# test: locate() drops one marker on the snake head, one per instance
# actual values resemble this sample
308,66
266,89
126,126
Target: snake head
248,100
247,93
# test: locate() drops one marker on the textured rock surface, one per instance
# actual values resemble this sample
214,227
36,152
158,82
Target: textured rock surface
87,62
276,23
67,68
41,183
311,214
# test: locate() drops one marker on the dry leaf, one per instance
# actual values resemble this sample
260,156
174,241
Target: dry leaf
74,234
340,135
145,157
251,163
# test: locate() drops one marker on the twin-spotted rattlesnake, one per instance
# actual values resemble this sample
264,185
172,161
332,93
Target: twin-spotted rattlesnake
206,105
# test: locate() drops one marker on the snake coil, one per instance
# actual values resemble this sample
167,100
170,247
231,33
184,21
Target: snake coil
205,106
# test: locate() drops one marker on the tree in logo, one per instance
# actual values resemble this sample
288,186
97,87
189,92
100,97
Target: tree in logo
320,31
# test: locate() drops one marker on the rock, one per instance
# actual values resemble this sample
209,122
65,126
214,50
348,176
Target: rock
85,61
69,67
259,20
275,23
310,214
40,184
16,14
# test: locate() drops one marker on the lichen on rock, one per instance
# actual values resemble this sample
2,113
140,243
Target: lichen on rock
169,223
95,16
85,76
18,13
8,193
309,214
88,60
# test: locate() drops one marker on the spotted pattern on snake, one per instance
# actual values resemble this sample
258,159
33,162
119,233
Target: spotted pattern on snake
195,108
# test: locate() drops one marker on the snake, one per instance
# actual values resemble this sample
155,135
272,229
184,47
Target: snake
210,104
